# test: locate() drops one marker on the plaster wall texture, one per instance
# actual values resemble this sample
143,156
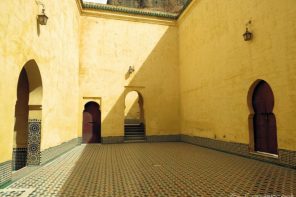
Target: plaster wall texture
217,67
55,49
194,78
107,49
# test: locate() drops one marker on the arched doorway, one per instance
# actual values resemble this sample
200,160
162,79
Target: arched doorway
21,122
134,126
91,123
28,116
264,122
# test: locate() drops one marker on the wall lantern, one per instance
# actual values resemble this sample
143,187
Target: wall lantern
248,35
131,69
42,18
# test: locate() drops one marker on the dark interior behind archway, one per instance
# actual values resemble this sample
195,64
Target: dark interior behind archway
21,122
91,132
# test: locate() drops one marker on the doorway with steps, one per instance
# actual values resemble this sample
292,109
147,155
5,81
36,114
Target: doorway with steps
134,126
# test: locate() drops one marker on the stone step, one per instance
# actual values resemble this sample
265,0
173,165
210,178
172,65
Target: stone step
134,131
134,134
134,128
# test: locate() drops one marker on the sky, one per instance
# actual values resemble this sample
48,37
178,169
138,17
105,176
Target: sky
97,1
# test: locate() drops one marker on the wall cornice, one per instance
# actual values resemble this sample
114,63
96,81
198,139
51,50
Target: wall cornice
128,14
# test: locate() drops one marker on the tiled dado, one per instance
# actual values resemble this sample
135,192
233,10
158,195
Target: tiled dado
34,140
150,138
230,147
5,172
19,158
56,151
163,138
112,140
285,157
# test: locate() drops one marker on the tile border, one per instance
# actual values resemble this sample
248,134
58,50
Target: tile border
285,158
54,152
6,172
149,138
112,139
163,138
47,155
131,14
133,10
19,158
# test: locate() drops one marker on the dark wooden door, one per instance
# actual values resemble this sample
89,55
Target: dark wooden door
91,123
264,120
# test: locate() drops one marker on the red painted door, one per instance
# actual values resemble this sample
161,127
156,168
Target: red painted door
264,120
91,123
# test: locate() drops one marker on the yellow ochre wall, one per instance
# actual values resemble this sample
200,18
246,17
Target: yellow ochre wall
56,51
107,48
217,67
194,78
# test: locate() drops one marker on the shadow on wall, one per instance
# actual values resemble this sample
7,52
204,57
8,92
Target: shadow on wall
21,122
157,75
156,81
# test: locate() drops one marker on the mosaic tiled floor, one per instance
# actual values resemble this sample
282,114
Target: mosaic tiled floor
156,169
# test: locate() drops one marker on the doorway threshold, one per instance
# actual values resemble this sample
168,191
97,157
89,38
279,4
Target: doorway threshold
264,154
135,141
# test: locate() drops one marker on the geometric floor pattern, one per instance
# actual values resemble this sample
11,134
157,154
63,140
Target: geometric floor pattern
156,169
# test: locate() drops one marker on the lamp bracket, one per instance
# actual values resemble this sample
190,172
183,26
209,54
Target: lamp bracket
40,3
248,23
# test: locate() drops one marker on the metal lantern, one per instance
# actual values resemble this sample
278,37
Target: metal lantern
42,18
131,69
247,35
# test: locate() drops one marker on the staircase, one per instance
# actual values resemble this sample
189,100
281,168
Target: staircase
134,132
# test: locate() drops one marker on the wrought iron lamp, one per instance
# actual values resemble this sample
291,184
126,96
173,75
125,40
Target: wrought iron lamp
42,18
248,35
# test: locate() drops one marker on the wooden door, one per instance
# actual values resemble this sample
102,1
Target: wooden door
264,120
91,123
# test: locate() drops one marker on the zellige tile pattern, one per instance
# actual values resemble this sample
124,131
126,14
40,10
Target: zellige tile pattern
156,169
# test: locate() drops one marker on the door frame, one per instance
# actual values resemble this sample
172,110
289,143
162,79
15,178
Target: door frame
83,101
251,123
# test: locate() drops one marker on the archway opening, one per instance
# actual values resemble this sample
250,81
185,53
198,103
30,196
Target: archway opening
91,131
264,131
134,123
21,122
28,116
